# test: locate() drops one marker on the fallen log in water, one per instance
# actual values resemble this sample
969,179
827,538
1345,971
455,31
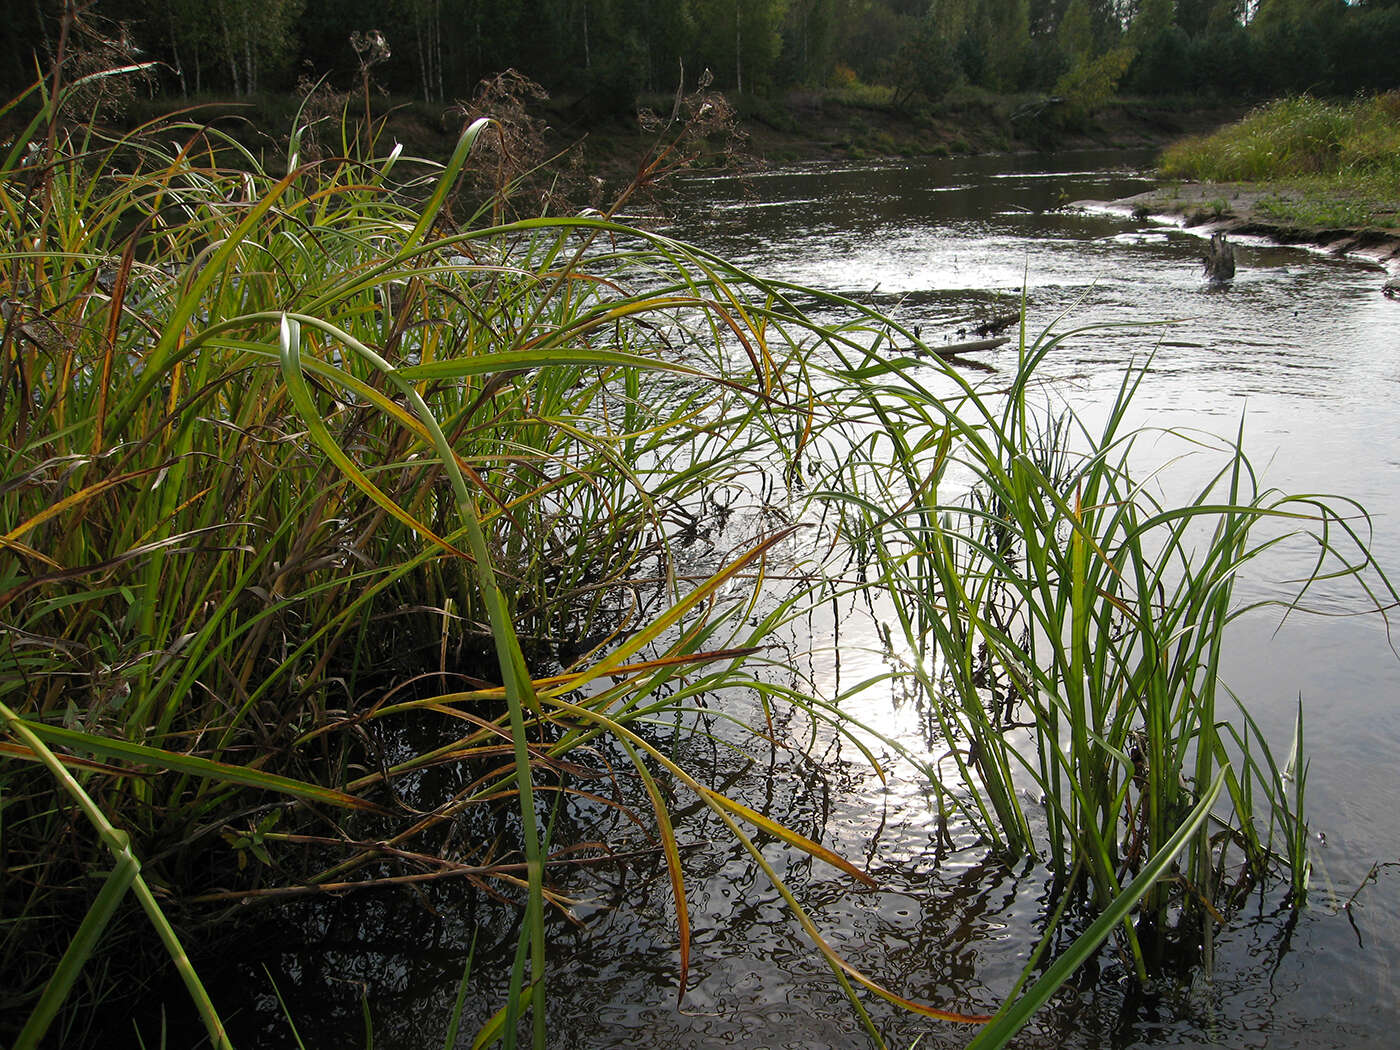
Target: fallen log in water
954,349
948,349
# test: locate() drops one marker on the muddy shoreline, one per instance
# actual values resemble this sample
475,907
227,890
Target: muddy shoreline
806,127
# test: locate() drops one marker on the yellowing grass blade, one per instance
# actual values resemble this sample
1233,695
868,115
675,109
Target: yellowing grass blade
567,682
673,865
840,966
789,836
616,659
520,360
713,798
27,754
492,1030
29,552
306,407
81,496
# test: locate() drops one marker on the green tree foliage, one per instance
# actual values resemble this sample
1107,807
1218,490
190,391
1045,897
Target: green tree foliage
1075,33
739,40
809,41
240,46
871,35
1090,84
1162,46
1194,15
1108,18
1009,23
1151,19
926,64
1371,39
1296,43
1164,63
991,38
603,52
1226,15
1222,62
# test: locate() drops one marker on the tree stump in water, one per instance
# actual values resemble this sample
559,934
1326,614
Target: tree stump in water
998,323
1220,259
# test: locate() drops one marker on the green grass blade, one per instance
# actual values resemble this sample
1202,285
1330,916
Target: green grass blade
79,949
1012,1017
454,1019
220,772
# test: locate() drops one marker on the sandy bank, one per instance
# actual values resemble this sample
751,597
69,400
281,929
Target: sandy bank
1245,208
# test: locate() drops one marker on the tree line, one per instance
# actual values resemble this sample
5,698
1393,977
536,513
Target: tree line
608,51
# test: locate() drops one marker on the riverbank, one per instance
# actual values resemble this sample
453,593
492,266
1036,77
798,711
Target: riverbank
816,126
1298,171
1253,209
1260,210
799,127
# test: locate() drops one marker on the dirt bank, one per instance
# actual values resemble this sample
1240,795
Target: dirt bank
805,126
812,127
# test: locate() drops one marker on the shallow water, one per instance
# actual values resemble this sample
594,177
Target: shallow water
1305,349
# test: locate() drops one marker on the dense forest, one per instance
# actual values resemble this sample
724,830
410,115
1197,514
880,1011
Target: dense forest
609,50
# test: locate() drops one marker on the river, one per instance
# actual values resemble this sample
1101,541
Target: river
1301,346
1305,350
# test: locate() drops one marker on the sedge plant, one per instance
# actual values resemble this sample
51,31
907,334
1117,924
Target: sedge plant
1066,622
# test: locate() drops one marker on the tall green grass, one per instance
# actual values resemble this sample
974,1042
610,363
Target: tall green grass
1068,626
296,460
1343,159
1296,136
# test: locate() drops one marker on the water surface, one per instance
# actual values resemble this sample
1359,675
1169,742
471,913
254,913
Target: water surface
1301,349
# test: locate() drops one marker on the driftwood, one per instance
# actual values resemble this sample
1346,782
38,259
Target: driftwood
954,349
1220,259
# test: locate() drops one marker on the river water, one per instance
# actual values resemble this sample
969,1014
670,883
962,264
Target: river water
1305,350
1301,346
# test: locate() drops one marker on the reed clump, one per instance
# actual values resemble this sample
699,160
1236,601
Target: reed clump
1295,136
299,461
1067,626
